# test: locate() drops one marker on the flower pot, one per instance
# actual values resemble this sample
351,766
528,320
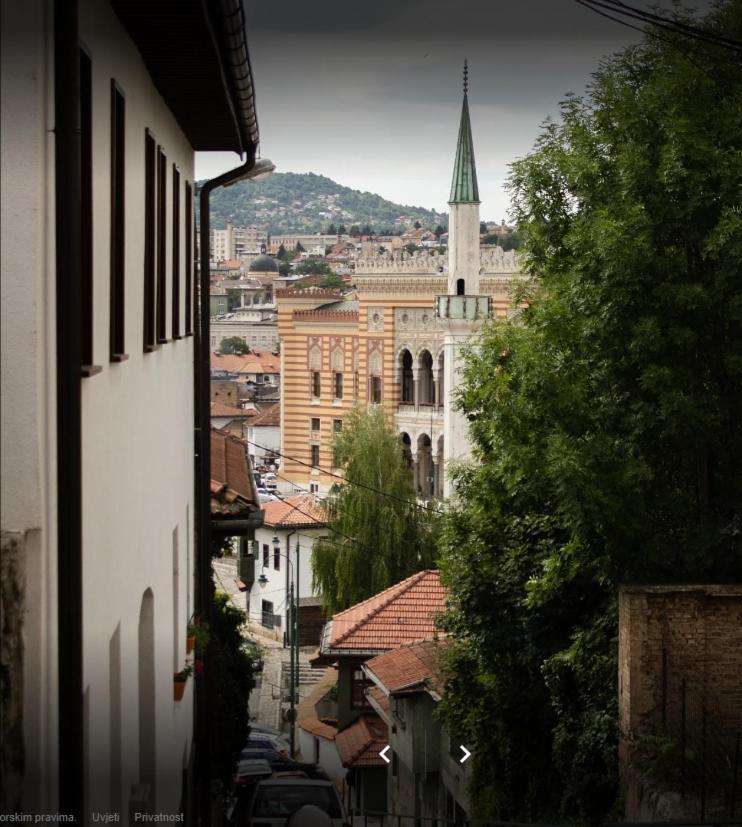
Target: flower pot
190,643
179,686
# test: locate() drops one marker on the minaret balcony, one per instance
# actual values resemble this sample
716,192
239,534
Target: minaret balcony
467,308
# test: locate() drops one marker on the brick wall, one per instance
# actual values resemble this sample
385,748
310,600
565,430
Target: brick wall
680,680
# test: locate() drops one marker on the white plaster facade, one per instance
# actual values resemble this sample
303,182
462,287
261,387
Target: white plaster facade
137,468
279,573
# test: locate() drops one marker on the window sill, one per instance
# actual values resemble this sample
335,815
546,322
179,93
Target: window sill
337,403
119,357
90,370
314,472
163,341
150,348
176,337
315,400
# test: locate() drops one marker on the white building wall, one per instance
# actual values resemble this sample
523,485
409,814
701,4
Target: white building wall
275,589
137,468
267,436
28,495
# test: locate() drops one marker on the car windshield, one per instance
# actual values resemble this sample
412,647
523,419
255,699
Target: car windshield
283,800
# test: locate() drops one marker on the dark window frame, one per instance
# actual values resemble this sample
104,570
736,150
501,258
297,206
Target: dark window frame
175,259
149,332
316,383
189,233
87,286
161,316
338,385
277,559
312,421
314,455
375,390
117,298
358,683
266,556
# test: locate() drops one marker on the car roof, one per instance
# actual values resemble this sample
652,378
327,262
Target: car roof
295,782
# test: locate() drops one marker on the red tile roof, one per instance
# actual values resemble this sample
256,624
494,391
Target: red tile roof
269,416
412,667
299,510
220,409
231,484
401,614
358,745
379,701
306,713
262,362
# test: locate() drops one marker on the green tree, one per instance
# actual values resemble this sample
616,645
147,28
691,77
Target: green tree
342,230
299,248
283,254
483,229
232,659
234,345
332,230
315,266
605,420
411,248
417,225
367,230
439,230
355,230
376,539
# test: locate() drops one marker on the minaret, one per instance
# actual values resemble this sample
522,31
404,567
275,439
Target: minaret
462,309
463,220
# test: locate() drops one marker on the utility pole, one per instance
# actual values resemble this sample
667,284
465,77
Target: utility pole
292,673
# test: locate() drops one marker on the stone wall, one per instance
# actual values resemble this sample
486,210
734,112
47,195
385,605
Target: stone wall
12,592
680,698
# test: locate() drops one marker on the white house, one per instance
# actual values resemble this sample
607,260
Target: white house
98,137
296,522
264,434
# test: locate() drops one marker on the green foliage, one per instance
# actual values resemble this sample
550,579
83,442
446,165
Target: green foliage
235,345
314,266
512,241
232,660
390,536
279,193
606,421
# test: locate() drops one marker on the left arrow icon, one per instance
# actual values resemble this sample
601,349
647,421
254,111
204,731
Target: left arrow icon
383,753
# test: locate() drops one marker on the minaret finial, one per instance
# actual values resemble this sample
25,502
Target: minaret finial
466,77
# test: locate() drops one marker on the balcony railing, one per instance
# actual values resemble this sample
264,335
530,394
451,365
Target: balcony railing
470,308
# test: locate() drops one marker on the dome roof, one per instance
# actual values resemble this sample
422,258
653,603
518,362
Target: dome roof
264,264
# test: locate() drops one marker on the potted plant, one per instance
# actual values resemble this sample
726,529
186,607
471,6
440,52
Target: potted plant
179,681
197,637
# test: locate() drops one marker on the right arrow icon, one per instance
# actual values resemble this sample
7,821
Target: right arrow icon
466,753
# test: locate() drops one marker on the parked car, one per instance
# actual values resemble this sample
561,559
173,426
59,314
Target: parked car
261,740
265,495
275,801
281,763
251,770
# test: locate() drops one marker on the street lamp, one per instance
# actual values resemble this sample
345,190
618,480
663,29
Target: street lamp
293,636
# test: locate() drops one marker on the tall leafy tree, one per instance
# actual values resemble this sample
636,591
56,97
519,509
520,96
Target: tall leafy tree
379,534
606,419
234,345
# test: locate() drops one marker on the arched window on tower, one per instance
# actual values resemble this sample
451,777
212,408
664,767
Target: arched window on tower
460,287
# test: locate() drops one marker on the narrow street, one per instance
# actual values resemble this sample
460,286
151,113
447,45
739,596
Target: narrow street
266,698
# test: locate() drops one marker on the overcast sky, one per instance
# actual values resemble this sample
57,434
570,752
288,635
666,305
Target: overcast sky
369,94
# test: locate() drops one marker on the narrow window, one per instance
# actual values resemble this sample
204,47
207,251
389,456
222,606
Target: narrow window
161,248
314,425
460,287
118,224
315,455
338,386
375,391
188,259
266,556
176,253
86,209
277,559
150,241
316,386
337,425
359,683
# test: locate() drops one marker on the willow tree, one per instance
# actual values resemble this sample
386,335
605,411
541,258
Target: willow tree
379,534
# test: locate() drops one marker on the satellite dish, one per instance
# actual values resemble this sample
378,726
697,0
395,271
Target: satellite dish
309,816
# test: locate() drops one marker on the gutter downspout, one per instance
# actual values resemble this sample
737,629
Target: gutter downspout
67,219
205,683
287,632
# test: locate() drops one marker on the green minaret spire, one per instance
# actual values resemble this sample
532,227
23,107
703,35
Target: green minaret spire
464,185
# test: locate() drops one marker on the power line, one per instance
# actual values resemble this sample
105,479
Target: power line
673,26
344,479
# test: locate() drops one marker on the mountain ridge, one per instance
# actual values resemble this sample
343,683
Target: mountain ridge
307,202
